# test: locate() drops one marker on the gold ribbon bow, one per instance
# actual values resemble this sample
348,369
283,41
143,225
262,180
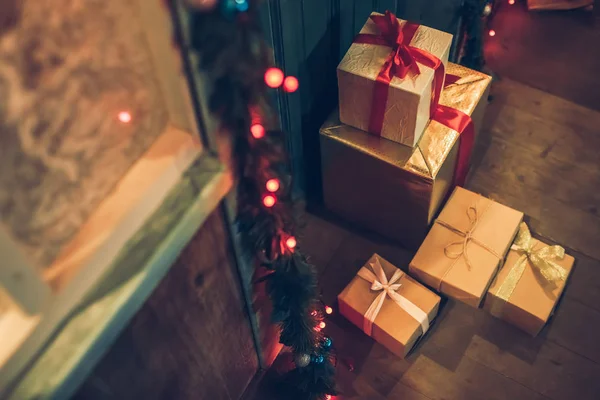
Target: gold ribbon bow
466,237
541,259
388,288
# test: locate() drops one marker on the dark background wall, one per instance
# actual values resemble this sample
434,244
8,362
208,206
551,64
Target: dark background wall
309,38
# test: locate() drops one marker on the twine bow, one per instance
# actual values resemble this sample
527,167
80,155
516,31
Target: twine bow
541,259
466,237
379,282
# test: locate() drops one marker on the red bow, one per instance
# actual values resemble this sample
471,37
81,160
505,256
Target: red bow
399,62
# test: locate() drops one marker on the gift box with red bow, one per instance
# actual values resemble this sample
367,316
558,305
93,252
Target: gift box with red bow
391,78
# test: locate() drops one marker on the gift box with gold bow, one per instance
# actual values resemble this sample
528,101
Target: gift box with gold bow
388,305
395,190
528,286
466,246
391,78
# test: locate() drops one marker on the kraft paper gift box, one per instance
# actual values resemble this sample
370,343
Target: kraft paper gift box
466,246
396,317
374,94
392,189
527,288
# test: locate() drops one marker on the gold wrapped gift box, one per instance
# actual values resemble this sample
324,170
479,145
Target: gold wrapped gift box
527,288
408,103
465,247
393,189
393,326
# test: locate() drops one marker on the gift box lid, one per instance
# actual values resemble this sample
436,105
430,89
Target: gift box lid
427,158
463,250
366,60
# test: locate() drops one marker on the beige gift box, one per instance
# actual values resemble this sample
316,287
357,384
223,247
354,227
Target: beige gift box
465,246
407,110
393,326
521,294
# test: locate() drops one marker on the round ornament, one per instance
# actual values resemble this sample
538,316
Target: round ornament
302,360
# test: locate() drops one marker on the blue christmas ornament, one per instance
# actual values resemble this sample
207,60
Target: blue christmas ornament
327,343
318,359
228,8
242,5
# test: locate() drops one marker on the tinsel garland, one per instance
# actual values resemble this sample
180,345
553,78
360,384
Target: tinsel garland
234,56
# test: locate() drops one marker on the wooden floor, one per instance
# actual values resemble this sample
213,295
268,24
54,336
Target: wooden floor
540,154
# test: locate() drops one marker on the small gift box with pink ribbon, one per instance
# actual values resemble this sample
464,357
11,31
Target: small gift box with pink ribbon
388,305
391,78
466,246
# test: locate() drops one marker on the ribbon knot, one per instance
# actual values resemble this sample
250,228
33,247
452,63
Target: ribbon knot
541,259
466,237
389,288
401,60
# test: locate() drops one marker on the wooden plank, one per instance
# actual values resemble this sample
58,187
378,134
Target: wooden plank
548,217
526,38
570,328
198,341
320,239
584,284
470,380
552,370
545,105
542,137
561,180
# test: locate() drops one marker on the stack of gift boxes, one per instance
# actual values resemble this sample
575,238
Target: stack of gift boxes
394,159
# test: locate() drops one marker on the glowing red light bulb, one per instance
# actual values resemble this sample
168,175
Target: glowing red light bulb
257,130
322,324
492,32
290,84
328,397
328,310
274,77
269,201
272,185
291,242
511,2
124,117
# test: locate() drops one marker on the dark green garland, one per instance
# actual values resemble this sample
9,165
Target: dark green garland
235,56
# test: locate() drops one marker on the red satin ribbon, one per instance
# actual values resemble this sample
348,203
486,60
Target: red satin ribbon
399,62
463,124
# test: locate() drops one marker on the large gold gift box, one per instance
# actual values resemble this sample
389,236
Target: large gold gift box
465,247
408,101
529,285
393,326
389,188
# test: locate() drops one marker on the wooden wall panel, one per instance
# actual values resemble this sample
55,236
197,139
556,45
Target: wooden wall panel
309,38
191,340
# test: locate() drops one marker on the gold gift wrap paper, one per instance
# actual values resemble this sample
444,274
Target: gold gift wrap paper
466,246
533,295
408,103
393,327
389,188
